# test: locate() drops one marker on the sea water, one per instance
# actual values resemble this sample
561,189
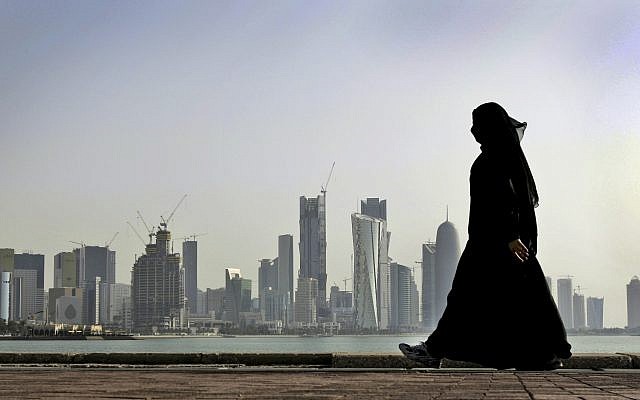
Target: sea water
279,344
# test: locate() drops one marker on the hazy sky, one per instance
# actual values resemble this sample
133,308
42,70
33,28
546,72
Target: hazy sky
111,107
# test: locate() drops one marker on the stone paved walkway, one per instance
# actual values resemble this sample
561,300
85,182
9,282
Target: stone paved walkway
415,384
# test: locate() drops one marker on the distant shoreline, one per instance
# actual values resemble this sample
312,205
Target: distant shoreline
239,336
66,338
424,335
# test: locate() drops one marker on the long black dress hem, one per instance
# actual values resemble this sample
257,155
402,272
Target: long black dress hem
500,312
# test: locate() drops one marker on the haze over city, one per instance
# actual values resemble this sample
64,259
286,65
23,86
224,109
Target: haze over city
109,108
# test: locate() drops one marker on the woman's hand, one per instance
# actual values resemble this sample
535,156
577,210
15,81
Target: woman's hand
519,250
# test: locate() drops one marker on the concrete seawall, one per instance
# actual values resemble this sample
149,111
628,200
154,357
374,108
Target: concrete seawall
310,360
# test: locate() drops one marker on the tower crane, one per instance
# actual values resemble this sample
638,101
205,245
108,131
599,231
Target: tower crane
107,244
164,222
149,230
194,236
81,244
137,234
323,188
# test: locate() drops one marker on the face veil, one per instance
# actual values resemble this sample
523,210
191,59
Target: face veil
499,136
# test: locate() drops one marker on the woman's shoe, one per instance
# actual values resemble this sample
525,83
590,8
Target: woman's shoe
553,364
420,354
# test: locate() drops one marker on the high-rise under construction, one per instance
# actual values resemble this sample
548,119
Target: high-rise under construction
157,287
313,246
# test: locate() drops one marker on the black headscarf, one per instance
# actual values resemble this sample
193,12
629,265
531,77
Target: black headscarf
496,132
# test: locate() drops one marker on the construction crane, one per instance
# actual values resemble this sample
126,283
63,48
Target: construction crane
107,244
81,244
194,236
137,234
150,231
164,222
323,188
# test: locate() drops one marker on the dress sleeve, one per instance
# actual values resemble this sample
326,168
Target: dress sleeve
506,208
494,215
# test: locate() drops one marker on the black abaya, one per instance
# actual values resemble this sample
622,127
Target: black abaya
500,312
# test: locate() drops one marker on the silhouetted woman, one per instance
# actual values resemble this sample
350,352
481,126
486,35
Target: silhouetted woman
500,312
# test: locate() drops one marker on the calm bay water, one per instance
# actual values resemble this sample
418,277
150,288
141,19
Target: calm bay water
281,344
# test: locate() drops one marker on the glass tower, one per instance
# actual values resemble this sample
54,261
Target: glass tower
371,273
313,246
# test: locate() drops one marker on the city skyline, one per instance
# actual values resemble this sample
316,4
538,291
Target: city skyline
112,108
568,294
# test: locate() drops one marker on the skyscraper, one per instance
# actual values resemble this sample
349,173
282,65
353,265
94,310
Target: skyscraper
595,312
268,284
633,303
340,300
268,274
565,301
305,302
285,277
401,299
64,270
447,256
157,289
201,303
7,260
313,246
119,304
27,299
32,293
214,302
429,318
6,272
93,262
371,274
415,304
5,285
341,305
190,265
374,207
237,295
95,310
579,320
33,262
269,305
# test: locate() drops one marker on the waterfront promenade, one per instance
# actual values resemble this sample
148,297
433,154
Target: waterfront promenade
294,376
186,383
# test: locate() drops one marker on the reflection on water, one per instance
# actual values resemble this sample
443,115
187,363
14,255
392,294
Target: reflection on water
282,344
